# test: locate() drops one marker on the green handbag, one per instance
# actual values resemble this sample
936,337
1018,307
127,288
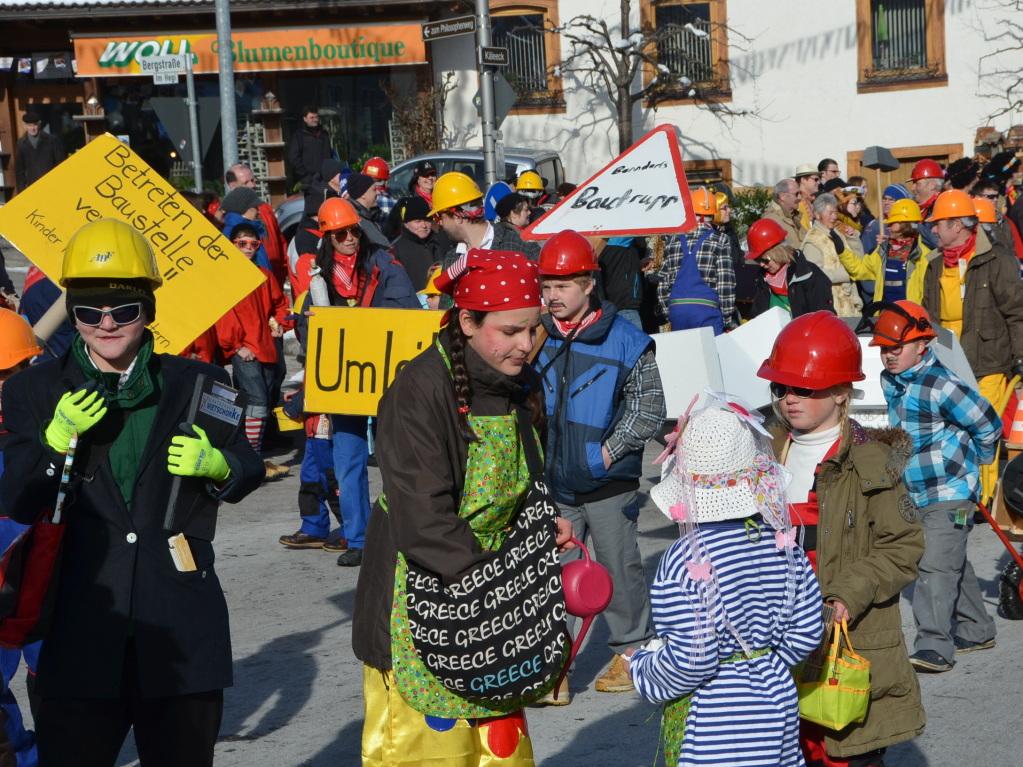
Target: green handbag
839,693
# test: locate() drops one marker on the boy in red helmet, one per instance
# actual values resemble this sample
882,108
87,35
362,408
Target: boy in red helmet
954,431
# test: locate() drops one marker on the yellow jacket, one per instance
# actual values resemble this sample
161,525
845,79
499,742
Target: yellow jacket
871,267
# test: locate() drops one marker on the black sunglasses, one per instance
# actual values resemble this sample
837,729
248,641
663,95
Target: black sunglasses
763,260
342,234
778,391
992,197
92,317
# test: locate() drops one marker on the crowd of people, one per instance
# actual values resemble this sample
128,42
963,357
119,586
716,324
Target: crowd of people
542,345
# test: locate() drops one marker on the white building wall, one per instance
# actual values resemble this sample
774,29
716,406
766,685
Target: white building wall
797,73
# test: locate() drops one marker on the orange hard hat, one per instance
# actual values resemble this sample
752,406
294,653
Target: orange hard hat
336,213
985,210
927,168
377,168
17,342
704,203
955,203
764,235
816,351
567,252
899,323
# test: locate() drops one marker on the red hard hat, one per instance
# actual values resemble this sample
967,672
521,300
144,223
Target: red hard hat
377,168
764,235
815,350
566,253
927,168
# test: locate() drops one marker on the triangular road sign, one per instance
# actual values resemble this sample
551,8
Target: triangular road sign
642,191
173,113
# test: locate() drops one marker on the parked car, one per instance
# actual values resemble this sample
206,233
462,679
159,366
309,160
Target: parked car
469,161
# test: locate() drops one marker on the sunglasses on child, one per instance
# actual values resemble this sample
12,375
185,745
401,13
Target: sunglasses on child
92,317
246,242
779,391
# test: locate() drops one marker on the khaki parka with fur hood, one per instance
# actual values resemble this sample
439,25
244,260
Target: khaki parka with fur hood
869,542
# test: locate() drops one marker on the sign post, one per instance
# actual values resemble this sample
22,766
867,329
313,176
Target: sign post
164,70
487,73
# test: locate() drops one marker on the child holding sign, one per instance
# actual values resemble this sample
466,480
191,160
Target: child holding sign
246,336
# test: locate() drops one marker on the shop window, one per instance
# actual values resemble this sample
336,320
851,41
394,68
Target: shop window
534,53
692,44
901,44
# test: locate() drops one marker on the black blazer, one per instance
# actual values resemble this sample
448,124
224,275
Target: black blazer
117,578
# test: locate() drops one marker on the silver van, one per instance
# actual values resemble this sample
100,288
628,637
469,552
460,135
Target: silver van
466,160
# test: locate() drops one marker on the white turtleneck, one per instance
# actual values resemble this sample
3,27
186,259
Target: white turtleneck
805,452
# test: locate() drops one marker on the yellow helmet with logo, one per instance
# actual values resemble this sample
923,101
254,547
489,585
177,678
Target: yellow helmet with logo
904,210
529,180
109,249
454,189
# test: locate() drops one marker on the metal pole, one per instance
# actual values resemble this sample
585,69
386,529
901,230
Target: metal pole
228,116
486,94
193,125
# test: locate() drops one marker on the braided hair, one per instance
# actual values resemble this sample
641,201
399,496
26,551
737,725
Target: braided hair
462,385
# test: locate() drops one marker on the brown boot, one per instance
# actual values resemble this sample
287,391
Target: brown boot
615,679
275,471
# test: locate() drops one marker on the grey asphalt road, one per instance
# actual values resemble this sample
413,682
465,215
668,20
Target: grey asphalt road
297,698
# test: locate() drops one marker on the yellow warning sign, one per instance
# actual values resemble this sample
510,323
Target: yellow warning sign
204,275
354,354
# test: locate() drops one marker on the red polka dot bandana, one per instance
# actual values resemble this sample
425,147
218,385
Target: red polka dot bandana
491,281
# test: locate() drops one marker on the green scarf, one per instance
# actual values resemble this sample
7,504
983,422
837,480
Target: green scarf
136,389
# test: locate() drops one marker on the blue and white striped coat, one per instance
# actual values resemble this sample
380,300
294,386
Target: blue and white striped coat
745,713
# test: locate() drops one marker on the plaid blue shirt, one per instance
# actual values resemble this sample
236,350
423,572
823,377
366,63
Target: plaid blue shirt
954,431
386,204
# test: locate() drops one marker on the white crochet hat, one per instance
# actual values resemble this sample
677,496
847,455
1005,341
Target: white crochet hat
717,459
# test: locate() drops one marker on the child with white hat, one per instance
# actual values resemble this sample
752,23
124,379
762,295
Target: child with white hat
735,601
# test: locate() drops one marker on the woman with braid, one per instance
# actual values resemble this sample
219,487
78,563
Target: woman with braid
454,476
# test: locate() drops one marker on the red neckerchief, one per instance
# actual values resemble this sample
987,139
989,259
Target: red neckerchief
808,512
777,282
425,196
926,207
900,249
345,282
568,327
954,255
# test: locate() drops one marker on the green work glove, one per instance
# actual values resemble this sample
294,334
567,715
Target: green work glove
196,457
77,411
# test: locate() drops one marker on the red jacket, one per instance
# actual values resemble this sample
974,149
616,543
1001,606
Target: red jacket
275,244
248,323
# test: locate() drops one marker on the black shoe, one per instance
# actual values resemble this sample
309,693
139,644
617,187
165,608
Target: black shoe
964,645
351,558
929,662
372,460
300,540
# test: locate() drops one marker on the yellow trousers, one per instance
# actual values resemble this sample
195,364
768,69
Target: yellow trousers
992,388
396,735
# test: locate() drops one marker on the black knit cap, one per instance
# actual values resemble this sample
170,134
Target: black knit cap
240,199
358,184
412,208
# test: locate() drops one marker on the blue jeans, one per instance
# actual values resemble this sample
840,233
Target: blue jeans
632,315
315,488
255,379
351,453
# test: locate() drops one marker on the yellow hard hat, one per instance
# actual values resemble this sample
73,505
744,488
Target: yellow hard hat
454,189
109,249
17,342
904,210
529,180
704,203
431,287
720,200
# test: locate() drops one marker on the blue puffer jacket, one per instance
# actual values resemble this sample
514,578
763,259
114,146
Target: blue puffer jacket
583,388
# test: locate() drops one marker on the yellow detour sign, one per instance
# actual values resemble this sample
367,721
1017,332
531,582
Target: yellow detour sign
353,355
204,274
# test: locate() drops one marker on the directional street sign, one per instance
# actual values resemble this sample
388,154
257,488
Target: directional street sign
504,99
494,57
461,25
164,69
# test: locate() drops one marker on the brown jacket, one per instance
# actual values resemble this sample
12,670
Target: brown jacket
794,230
869,541
992,336
422,457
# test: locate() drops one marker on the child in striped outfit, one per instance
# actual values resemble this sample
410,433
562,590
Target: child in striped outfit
735,601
